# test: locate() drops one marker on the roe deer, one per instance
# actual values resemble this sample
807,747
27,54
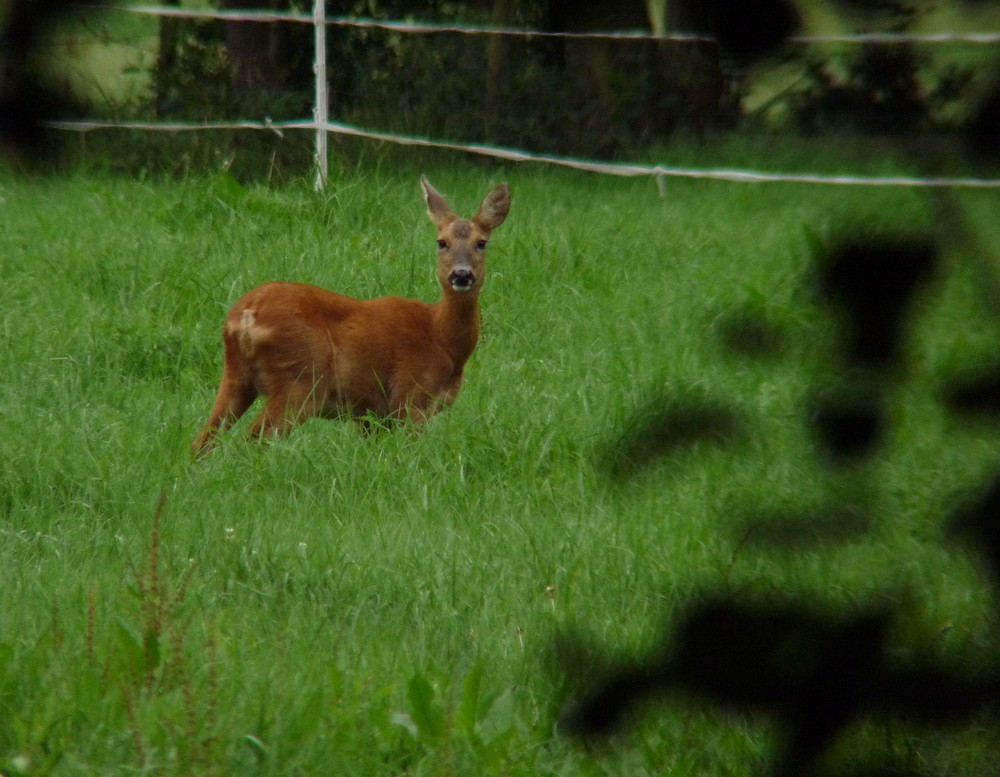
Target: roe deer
311,352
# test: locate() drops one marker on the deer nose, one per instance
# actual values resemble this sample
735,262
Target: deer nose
461,279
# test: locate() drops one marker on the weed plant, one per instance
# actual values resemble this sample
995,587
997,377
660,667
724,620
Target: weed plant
340,603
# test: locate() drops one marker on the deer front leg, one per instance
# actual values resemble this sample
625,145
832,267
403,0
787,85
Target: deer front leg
419,398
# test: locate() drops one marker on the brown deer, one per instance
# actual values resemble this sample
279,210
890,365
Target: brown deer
311,352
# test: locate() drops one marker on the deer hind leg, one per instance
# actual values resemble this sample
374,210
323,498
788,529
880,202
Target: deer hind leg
285,408
235,396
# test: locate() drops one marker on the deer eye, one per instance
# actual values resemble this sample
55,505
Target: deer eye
442,244
481,244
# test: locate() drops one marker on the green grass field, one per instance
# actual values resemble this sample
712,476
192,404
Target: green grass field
334,603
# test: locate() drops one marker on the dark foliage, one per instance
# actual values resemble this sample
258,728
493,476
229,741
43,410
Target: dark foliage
872,281
881,92
979,524
977,393
816,672
748,333
670,427
791,531
983,131
849,428
747,30
25,103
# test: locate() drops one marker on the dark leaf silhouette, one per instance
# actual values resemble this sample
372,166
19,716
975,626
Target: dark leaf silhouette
872,282
747,30
979,524
983,134
670,427
976,393
749,335
848,428
806,530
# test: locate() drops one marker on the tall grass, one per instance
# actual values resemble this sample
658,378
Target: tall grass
343,604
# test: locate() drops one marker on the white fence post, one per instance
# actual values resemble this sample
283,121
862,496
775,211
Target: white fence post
321,109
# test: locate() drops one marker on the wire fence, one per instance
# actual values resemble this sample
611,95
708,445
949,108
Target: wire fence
415,27
321,125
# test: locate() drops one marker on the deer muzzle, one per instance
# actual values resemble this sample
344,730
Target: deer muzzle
461,279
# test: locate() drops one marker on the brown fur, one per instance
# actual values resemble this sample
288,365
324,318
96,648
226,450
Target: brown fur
312,352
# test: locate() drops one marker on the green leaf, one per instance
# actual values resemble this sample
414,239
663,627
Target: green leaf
424,711
499,718
257,747
129,650
226,188
467,714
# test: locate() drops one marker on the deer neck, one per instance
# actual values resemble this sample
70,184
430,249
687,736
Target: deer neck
456,320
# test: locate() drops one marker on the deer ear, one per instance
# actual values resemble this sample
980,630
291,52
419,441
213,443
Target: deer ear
437,208
494,209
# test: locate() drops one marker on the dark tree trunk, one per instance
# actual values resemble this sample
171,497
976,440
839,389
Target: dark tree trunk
263,56
496,66
693,71
166,59
650,89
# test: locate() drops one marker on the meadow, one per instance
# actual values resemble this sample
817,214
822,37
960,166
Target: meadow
341,603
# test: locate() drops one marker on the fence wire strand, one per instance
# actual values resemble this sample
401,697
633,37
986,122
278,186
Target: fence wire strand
660,172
